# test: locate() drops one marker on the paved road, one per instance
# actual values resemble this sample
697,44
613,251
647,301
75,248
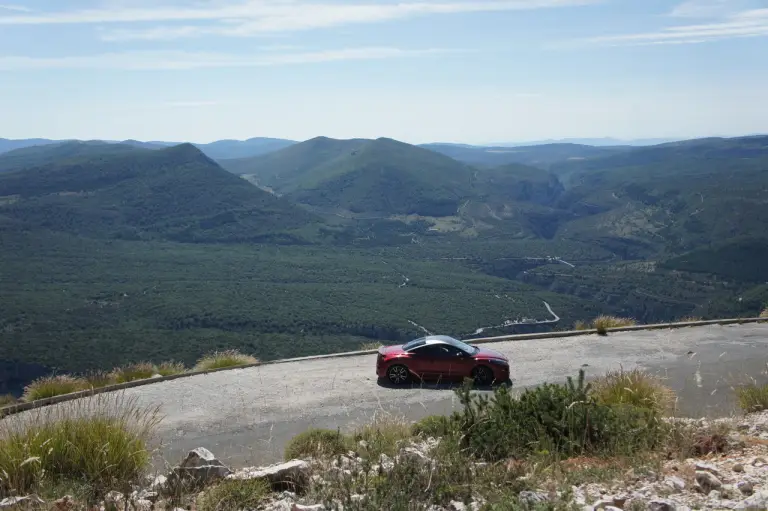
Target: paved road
245,416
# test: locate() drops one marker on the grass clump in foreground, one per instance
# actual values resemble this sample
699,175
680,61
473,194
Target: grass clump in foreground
233,495
316,443
636,388
752,397
221,359
99,443
50,386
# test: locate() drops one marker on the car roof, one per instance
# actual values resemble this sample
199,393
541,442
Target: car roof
430,339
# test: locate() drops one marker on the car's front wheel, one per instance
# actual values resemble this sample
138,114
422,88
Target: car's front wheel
398,374
482,375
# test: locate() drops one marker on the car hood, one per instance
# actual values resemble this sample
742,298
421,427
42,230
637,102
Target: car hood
489,353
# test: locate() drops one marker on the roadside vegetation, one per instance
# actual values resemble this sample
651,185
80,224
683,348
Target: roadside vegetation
603,322
94,445
753,397
764,313
366,346
222,359
56,385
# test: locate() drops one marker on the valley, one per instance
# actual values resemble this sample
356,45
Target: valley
122,252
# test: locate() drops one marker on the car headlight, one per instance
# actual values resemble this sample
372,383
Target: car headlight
499,362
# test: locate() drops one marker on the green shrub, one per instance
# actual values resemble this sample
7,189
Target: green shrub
432,425
316,443
753,397
221,359
50,386
101,442
561,420
171,368
7,400
636,388
233,495
133,372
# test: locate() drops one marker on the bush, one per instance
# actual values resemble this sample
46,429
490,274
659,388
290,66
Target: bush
432,425
233,495
100,442
366,346
133,372
221,359
170,368
764,314
635,388
316,443
753,397
560,420
50,386
7,400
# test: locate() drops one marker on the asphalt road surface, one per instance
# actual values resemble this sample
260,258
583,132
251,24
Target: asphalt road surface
245,416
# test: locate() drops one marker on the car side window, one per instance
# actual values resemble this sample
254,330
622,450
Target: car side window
432,350
453,351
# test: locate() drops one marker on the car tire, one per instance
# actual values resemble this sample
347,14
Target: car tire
398,374
482,375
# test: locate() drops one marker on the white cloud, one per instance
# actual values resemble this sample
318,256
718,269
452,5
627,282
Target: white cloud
179,60
703,8
750,23
251,17
15,8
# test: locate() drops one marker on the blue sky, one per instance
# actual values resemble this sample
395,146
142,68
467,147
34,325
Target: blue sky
474,71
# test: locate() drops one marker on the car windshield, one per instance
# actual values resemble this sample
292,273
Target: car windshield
414,344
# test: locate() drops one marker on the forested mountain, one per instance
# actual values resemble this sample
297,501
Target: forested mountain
380,176
176,193
59,153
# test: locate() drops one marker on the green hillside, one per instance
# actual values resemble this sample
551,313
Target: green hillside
373,176
176,193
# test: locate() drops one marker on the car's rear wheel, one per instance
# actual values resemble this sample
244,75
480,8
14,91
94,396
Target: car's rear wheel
482,375
398,374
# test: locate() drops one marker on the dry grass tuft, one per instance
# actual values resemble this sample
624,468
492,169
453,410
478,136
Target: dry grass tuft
366,346
7,400
752,397
100,442
316,443
233,495
581,325
221,359
689,319
636,388
764,314
133,372
383,435
50,386
605,322
99,379
171,368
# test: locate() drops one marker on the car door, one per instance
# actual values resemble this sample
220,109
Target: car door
424,360
457,363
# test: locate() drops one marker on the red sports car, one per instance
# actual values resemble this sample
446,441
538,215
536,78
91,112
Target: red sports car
440,356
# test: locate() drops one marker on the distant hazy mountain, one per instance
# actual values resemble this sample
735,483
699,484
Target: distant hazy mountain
540,156
597,142
217,150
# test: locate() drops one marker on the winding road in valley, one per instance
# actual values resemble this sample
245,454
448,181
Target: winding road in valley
245,416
